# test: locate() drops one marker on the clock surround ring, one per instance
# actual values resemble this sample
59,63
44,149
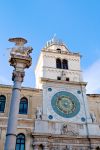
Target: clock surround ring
65,104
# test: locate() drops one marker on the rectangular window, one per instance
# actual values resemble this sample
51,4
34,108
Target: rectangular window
67,79
58,78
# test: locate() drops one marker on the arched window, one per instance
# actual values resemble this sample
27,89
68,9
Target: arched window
58,50
23,106
65,64
58,63
2,103
20,142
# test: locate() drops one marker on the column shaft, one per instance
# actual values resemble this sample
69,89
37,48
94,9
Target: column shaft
45,147
35,147
12,122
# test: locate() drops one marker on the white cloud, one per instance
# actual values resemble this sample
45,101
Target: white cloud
4,80
92,76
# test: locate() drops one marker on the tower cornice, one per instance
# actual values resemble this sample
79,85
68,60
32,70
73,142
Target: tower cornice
63,82
62,52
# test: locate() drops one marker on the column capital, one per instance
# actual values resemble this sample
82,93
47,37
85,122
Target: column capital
18,76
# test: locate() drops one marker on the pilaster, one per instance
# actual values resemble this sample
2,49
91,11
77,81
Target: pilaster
45,146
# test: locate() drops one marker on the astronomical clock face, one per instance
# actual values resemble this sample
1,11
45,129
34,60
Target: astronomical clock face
65,104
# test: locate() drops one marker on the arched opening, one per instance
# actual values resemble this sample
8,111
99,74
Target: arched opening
23,106
20,142
58,50
2,103
97,148
64,64
40,147
58,63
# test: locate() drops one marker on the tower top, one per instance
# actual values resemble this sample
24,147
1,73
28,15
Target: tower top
55,44
54,41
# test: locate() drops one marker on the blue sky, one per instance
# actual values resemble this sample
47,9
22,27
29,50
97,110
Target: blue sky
76,22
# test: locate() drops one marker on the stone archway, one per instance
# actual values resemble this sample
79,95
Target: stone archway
40,147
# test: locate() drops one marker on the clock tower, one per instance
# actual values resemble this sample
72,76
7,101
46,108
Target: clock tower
59,74
63,120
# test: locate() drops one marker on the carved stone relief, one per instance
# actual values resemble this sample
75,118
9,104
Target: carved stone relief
93,117
70,130
38,113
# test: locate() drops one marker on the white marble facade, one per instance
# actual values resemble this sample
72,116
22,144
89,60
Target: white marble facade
79,126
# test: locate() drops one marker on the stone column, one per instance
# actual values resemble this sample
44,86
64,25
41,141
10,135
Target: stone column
14,108
35,147
69,147
45,146
20,59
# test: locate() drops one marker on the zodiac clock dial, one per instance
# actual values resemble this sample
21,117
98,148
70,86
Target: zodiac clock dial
65,104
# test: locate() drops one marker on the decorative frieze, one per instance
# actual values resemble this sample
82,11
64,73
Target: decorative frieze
62,142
